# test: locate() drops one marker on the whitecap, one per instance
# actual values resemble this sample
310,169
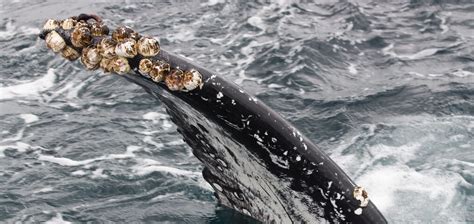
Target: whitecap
29,118
256,22
19,146
352,68
29,89
58,219
145,170
154,116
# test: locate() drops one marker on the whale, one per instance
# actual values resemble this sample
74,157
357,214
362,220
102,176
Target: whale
258,163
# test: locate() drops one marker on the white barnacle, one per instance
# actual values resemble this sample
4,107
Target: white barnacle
106,65
91,58
145,66
68,23
55,41
124,32
126,48
120,65
148,46
81,36
70,53
50,24
174,80
158,71
107,47
99,29
361,195
192,79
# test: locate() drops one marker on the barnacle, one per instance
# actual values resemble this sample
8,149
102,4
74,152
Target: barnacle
159,71
55,41
120,65
106,64
51,24
107,47
81,36
91,58
68,23
192,79
148,46
124,32
99,29
89,40
174,80
70,53
145,65
361,195
81,23
126,48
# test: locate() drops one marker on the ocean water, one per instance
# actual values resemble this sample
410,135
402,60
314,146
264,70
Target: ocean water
386,88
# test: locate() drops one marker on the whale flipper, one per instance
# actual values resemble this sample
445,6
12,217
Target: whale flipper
257,162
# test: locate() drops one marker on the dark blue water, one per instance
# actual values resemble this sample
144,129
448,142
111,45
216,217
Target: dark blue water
385,88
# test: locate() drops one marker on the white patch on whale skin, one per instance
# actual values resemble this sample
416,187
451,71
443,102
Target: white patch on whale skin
217,187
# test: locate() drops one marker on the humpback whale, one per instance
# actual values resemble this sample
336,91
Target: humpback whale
257,162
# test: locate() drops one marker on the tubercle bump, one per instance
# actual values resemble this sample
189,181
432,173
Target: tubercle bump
86,37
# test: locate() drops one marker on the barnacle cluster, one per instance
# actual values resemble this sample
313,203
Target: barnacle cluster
86,37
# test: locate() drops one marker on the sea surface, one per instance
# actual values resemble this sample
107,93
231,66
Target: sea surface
386,88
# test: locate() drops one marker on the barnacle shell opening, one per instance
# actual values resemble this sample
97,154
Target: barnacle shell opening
91,57
192,79
127,48
174,80
124,32
99,29
148,46
120,65
55,41
81,37
107,47
68,23
159,70
145,65
50,24
106,64
81,23
157,74
70,53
